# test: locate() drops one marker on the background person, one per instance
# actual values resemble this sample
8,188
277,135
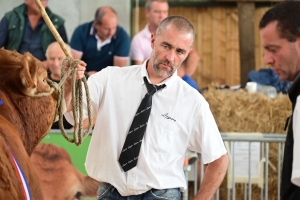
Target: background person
55,56
155,11
23,29
280,36
173,126
102,42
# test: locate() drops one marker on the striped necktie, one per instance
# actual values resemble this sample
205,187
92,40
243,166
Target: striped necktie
131,148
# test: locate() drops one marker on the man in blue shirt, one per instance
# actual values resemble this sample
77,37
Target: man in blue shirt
102,42
24,30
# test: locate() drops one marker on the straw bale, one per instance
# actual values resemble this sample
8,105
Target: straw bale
239,111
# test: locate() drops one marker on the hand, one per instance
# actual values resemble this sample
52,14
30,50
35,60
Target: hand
80,69
81,66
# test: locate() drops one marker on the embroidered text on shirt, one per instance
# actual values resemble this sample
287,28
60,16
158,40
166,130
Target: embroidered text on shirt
167,117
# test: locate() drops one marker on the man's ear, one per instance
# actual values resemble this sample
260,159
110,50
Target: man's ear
153,37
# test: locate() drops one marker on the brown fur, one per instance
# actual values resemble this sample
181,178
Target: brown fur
24,120
60,180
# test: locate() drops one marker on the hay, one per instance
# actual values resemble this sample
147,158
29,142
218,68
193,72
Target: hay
239,111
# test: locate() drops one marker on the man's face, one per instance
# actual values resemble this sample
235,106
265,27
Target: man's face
108,27
157,13
170,49
32,5
279,53
55,58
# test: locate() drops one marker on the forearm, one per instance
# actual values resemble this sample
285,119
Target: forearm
68,83
68,96
213,176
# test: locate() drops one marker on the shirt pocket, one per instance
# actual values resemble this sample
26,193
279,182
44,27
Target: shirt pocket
162,135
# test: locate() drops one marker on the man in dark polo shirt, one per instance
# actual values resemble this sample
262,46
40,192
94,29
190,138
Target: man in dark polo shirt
23,29
102,42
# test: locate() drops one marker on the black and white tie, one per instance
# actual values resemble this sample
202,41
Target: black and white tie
131,148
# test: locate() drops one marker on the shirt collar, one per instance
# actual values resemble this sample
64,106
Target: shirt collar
144,72
99,43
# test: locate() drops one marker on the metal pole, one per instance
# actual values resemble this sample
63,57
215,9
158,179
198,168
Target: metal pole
249,180
279,170
233,174
267,170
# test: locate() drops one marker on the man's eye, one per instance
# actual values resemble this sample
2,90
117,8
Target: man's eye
166,46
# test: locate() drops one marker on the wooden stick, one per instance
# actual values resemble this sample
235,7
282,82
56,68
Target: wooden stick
52,28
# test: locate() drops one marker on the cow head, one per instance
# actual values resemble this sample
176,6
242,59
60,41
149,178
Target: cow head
25,72
27,103
60,179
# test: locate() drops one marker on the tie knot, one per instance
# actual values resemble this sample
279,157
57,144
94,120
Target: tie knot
152,88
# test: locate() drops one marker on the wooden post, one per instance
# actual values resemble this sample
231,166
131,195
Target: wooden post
246,13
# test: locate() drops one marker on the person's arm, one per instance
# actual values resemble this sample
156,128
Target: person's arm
3,31
136,62
192,61
68,83
121,54
120,61
76,54
136,51
213,176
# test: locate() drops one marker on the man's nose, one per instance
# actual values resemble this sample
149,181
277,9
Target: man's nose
268,58
171,55
57,62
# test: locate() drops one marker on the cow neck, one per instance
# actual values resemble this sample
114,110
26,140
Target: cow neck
32,128
22,178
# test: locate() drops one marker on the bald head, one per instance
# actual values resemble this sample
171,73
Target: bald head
55,57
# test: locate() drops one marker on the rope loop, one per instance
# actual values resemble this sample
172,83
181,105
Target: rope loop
77,106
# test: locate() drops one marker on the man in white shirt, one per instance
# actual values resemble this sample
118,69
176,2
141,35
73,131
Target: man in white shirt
180,118
296,128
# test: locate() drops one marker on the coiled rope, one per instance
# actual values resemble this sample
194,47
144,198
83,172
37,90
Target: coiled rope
76,88
77,105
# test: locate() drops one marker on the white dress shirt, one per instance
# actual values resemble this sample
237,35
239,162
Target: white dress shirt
296,152
180,118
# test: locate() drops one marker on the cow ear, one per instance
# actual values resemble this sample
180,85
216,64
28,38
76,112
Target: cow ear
28,73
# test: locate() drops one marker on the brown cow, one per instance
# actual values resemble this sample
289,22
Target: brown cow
24,120
60,179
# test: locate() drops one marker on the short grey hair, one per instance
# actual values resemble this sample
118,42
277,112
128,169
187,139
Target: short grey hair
180,23
148,3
